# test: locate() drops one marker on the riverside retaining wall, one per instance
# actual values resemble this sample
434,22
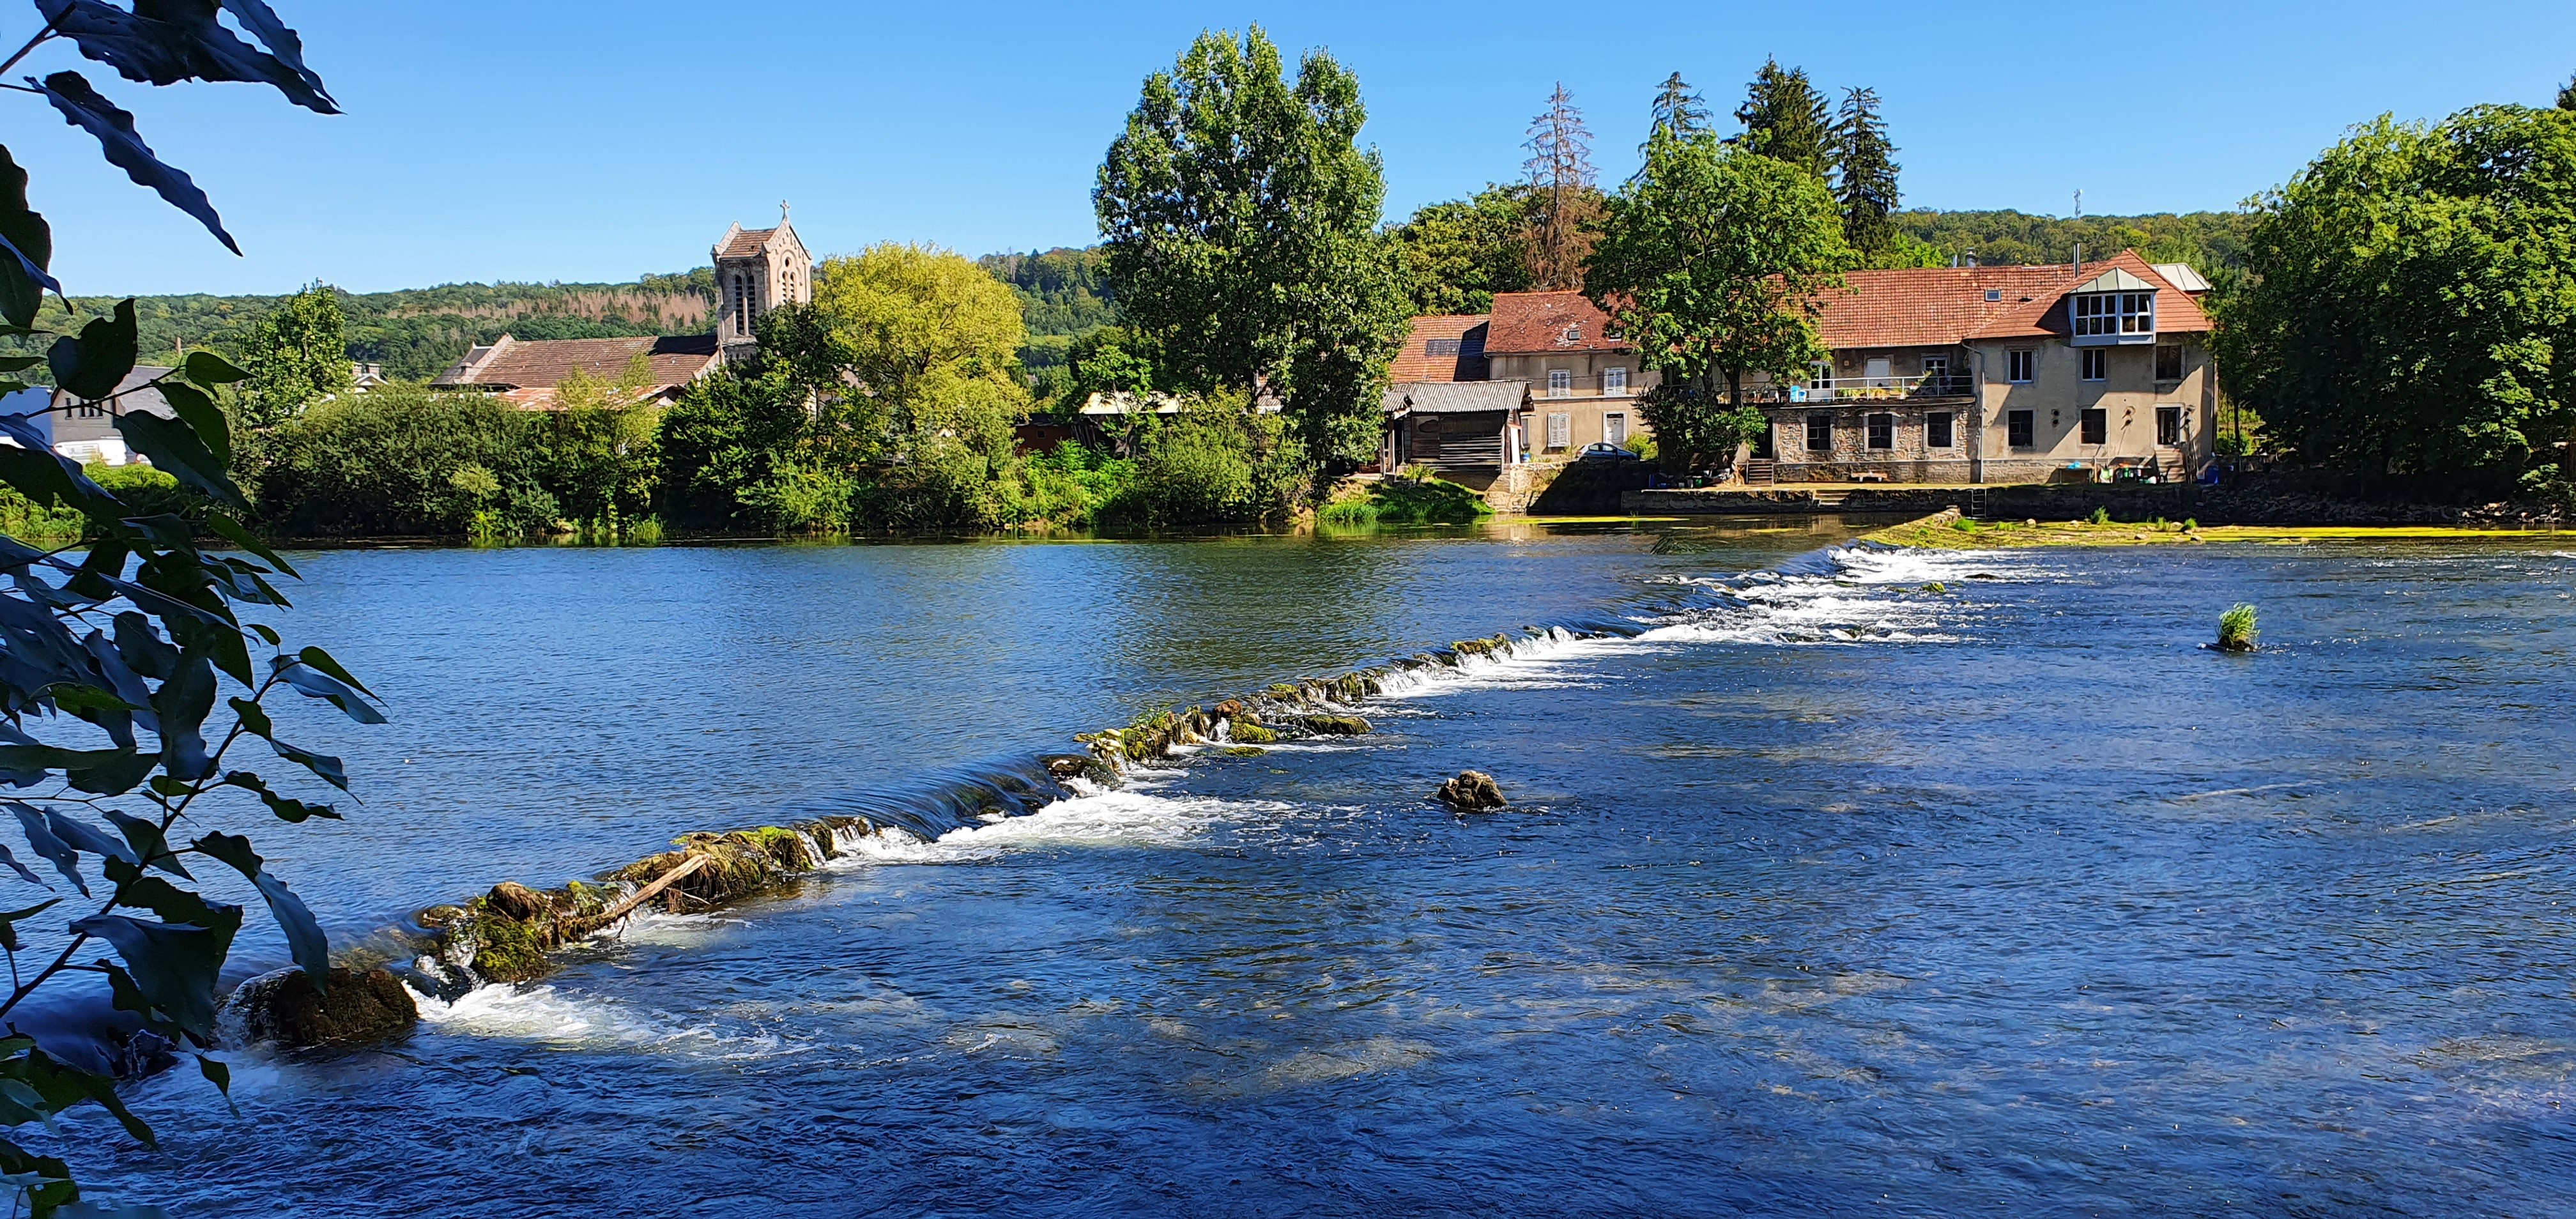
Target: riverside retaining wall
2249,504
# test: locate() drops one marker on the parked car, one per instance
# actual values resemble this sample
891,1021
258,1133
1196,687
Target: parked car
1604,452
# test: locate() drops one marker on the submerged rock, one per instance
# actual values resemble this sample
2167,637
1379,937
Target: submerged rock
360,1009
1471,791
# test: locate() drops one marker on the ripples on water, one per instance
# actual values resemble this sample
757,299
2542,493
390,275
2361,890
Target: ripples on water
1821,892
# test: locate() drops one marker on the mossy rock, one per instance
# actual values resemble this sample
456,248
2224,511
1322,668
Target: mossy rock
1334,725
505,949
1243,751
359,1009
1249,733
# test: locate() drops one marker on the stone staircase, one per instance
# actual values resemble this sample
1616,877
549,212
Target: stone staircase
2172,465
1758,472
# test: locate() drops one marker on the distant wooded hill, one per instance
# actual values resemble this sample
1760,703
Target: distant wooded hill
2213,242
1064,293
416,333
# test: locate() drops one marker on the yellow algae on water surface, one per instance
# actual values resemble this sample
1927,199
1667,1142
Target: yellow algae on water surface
1947,530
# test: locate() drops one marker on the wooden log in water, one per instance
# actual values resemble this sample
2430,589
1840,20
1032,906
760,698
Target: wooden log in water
645,894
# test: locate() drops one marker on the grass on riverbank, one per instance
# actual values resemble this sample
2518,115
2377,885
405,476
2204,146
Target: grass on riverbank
1949,531
1405,501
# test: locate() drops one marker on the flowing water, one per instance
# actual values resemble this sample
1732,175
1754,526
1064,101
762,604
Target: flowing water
1820,891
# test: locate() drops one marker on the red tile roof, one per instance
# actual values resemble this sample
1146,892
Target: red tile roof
676,360
1464,335
746,243
1531,322
1944,306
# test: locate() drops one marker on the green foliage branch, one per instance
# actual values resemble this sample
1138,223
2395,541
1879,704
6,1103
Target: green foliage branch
138,634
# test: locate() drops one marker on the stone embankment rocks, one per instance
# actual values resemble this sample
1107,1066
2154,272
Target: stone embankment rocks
1473,791
359,1009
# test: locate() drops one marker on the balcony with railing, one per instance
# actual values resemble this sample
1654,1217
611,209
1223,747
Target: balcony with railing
1564,383
1868,389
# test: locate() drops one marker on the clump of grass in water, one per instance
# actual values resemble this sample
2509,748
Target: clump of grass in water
2237,629
2101,516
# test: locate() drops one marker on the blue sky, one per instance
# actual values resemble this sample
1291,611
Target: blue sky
572,140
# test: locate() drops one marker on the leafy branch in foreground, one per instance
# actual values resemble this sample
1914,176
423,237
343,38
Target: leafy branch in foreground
113,659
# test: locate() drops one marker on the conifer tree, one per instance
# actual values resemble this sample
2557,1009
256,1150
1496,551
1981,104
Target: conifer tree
1562,183
1867,188
2567,94
1679,111
1786,119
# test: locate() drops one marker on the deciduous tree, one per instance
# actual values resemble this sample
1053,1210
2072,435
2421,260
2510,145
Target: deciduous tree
295,356
1458,254
1712,264
2411,303
1242,219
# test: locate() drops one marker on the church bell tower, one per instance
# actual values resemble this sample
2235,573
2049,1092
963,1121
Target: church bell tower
758,270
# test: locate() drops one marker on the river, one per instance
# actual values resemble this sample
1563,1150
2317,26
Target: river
1821,890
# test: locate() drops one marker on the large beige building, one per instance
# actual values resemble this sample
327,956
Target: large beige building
2001,375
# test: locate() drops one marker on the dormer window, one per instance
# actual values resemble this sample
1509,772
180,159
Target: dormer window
2116,313
2115,307
1574,332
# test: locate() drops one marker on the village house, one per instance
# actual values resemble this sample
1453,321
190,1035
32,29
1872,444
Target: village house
2000,375
756,271
1534,382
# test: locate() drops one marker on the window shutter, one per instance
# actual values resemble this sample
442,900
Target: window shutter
1560,430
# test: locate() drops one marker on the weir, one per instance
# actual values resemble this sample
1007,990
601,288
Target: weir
510,933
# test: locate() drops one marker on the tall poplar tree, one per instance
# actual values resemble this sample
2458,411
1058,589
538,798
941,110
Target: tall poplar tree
1867,184
1242,225
1786,119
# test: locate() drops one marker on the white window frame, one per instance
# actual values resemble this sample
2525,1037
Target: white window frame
1560,383
2137,313
2094,365
2021,365
1614,427
1560,430
1614,380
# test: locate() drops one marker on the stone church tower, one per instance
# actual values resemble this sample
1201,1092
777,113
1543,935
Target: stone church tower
758,270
